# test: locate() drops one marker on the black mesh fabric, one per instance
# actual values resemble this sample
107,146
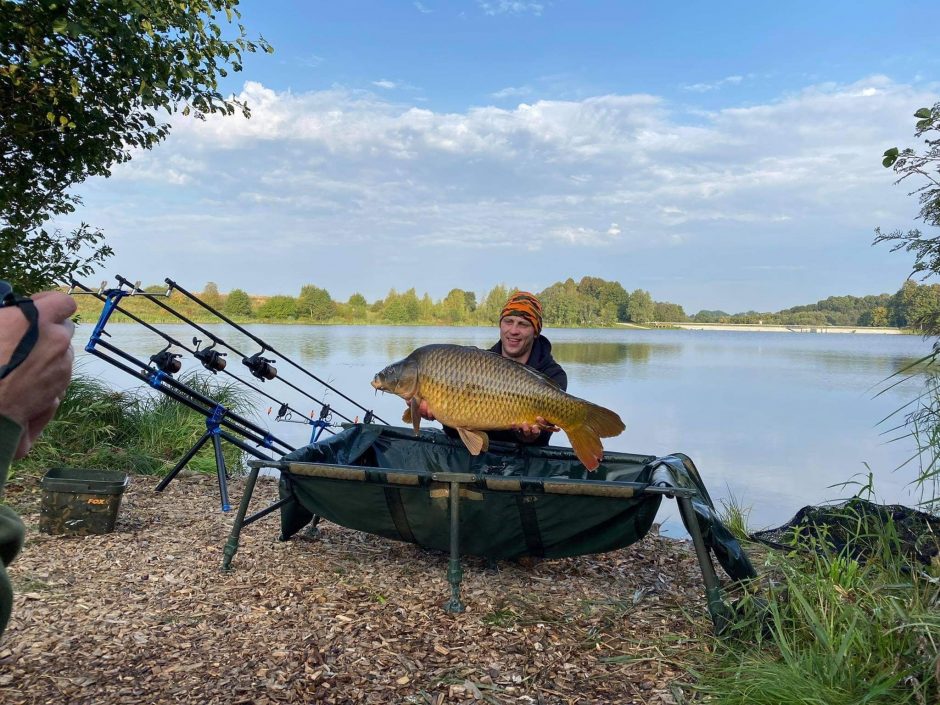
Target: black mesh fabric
859,529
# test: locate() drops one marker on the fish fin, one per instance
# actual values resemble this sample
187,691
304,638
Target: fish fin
414,411
586,445
605,422
476,441
586,437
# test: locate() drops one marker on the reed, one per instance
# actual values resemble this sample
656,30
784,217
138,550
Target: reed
140,431
832,629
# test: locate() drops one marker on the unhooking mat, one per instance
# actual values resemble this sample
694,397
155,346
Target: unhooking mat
524,500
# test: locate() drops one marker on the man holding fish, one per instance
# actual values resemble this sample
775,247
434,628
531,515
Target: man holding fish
521,339
515,389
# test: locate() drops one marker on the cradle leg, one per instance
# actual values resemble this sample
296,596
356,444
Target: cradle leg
717,608
454,571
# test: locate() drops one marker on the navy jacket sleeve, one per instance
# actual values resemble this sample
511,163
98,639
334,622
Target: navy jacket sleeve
12,530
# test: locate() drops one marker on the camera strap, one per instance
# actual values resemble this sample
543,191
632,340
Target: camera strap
25,346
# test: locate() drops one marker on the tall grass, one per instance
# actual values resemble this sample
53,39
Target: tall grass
141,432
833,630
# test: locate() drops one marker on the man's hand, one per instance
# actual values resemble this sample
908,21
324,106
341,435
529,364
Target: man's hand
529,433
30,395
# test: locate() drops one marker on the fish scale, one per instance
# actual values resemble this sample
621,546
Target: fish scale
476,390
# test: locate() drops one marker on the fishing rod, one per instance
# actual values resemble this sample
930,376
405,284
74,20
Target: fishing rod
264,346
220,421
214,361
168,362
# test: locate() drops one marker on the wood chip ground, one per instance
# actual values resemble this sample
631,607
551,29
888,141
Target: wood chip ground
145,615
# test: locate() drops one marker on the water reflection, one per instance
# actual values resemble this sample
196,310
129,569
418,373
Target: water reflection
601,353
317,349
852,361
398,348
355,346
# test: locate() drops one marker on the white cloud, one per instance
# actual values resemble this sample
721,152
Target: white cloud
706,87
512,92
342,176
510,7
422,8
310,61
384,84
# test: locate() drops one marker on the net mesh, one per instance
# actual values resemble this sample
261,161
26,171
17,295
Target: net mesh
859,529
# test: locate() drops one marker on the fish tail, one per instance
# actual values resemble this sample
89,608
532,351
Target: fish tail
586,437
605,422
586,445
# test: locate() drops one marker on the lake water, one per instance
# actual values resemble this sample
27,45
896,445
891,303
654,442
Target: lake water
774,420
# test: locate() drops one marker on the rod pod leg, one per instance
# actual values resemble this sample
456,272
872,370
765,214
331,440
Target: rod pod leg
182,463
231,546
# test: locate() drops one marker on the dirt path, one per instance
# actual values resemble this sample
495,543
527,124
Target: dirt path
144,615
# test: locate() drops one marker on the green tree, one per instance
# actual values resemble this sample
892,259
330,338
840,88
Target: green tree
278,307
426,309
924,169
562,304
488,312
456,306
210,295
357,307
237,303
315,303
640,307
82,85
401,308
610,297
706,316
668,313
471,300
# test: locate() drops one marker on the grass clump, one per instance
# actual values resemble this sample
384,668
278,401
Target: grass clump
141,432
834,628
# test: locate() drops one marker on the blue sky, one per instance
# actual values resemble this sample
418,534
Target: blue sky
719,155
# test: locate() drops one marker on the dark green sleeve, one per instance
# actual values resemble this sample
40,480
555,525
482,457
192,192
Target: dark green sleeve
11,528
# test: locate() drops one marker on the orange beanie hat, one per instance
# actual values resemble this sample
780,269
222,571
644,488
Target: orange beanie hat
524,305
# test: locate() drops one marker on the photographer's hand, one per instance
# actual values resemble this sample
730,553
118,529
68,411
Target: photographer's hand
30,394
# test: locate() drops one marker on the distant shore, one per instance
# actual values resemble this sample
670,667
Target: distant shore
764,328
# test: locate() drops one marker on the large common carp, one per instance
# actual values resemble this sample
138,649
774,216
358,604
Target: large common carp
476,390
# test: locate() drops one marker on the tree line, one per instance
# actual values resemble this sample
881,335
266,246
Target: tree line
910,307
590,302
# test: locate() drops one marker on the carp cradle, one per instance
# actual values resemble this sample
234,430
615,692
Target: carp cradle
510,502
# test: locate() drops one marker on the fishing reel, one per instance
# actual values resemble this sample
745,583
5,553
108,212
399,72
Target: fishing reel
211,359
166,361
260,367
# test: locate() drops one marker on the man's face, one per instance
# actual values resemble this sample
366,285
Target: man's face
517,336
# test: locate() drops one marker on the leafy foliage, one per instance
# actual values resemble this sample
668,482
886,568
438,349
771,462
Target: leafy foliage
36,260
401,308
81,87
237,303
278,307
315,303
925,166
